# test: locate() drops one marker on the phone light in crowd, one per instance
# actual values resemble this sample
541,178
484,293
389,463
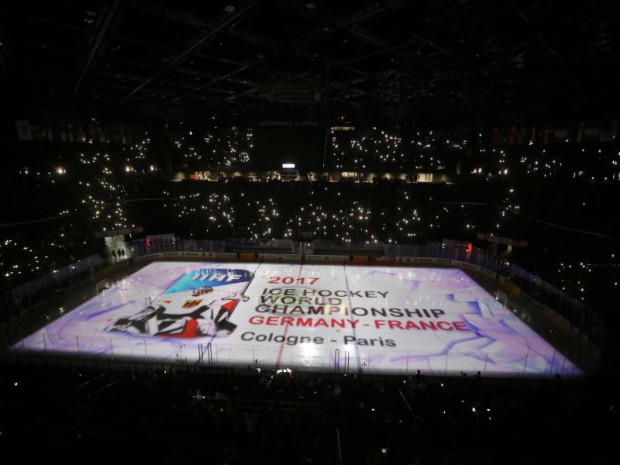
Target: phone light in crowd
288,166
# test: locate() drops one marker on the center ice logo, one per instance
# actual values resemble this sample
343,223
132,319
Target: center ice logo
211,277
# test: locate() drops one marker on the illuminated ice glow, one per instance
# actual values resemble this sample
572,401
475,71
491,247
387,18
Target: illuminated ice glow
348,318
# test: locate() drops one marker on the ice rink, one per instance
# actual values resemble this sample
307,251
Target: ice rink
340,317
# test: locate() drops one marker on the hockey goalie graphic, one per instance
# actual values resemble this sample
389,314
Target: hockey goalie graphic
199,304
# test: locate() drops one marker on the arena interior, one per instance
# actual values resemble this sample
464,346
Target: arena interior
309,232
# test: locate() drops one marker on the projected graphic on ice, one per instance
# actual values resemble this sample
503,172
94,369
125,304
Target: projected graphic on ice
304,317
198,304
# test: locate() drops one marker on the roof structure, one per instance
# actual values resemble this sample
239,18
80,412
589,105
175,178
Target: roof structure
444,62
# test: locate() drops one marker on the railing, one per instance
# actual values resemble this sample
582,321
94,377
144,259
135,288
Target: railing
356,360
38,291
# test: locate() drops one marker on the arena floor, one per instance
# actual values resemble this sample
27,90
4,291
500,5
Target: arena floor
311,317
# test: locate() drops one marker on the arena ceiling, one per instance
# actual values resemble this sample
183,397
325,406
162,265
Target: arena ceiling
442,62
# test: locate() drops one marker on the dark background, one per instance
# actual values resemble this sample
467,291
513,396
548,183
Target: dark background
296,144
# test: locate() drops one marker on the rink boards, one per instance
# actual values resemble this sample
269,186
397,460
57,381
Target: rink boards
339,317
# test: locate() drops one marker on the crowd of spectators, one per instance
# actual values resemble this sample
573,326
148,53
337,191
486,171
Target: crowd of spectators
197,414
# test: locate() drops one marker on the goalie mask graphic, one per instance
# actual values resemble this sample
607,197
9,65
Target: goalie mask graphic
198,304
